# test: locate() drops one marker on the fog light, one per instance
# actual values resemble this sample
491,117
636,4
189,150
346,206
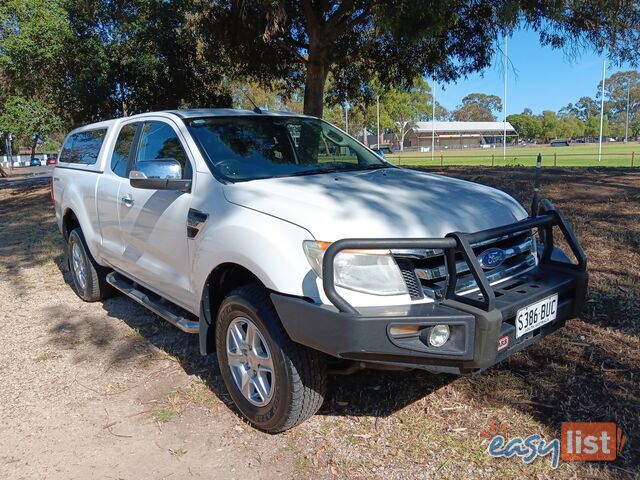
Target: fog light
439,335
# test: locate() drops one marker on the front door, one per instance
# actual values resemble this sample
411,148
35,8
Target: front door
153,223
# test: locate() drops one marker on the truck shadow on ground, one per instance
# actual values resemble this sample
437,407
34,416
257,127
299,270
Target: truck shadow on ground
364,393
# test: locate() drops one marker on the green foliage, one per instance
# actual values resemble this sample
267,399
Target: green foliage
571,127
36,47
620,87
403,107
550,124
85,60
24,117
583,109
141,55
88,60
592,128
478,107
305,42
529,127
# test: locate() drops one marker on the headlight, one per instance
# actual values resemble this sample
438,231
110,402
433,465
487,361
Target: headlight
367,271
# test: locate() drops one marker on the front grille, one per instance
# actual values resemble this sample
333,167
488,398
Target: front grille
430,267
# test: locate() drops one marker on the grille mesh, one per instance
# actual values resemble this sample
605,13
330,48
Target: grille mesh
410,279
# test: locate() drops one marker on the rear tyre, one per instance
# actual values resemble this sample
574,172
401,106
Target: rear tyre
89,278
275,382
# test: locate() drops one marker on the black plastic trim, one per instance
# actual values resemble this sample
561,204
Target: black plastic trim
65,167
365,336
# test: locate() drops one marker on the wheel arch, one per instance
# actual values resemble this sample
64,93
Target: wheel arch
221,280
69,222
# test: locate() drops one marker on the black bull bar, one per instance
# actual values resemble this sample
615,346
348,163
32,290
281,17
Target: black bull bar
458,242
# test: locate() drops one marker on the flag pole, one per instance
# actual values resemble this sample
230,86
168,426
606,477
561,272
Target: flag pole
604,72
378,119
346,117
626,121
433,124
504,100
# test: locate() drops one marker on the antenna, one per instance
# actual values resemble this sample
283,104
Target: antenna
256,109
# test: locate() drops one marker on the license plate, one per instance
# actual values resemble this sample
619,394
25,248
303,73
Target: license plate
535,315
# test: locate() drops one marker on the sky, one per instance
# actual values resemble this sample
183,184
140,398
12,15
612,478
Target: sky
540,78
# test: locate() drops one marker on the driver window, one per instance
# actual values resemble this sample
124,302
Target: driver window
158,141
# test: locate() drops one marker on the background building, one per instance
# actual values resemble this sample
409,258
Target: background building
455,135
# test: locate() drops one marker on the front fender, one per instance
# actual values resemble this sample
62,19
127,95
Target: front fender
270,248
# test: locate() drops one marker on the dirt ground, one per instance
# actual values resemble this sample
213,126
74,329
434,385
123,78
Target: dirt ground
107,390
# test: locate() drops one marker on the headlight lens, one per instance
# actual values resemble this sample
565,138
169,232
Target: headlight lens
367,271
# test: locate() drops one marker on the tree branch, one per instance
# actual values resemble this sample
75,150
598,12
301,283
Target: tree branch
345,27
339,15
282,44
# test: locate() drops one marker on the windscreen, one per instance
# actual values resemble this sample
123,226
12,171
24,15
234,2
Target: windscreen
257,147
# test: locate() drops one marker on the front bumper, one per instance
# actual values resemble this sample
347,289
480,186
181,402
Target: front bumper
482,323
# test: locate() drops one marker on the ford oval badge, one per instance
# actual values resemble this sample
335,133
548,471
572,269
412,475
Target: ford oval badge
492,258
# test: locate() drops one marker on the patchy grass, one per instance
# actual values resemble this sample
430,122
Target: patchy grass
176,401
163,415
44,356
197,394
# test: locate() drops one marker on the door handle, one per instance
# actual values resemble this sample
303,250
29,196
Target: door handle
128,200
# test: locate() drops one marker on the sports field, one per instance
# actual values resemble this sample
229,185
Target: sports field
577,155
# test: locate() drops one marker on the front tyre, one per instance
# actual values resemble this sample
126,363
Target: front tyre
89,278
275,382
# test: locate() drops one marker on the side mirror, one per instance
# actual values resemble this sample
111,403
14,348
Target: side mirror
159,175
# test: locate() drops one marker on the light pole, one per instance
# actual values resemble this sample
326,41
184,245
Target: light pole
9,143
626,121
433,124
378,119
504,100
346,117
604,72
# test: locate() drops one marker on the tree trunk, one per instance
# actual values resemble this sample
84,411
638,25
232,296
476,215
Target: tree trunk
403,133
34,145
316,78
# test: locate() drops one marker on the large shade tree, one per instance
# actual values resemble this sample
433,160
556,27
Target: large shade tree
478,107
93,59
303,41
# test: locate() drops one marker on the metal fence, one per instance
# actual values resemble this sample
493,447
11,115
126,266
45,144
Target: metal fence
555,159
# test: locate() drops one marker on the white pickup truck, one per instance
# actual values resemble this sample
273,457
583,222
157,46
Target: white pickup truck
292,250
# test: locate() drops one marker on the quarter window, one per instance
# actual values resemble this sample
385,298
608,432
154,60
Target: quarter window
83,147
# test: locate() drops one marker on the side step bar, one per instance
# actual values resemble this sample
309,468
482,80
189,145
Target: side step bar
158,305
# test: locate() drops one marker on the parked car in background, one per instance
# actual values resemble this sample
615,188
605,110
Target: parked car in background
559,142
382,149
290,248
52,159
35,162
